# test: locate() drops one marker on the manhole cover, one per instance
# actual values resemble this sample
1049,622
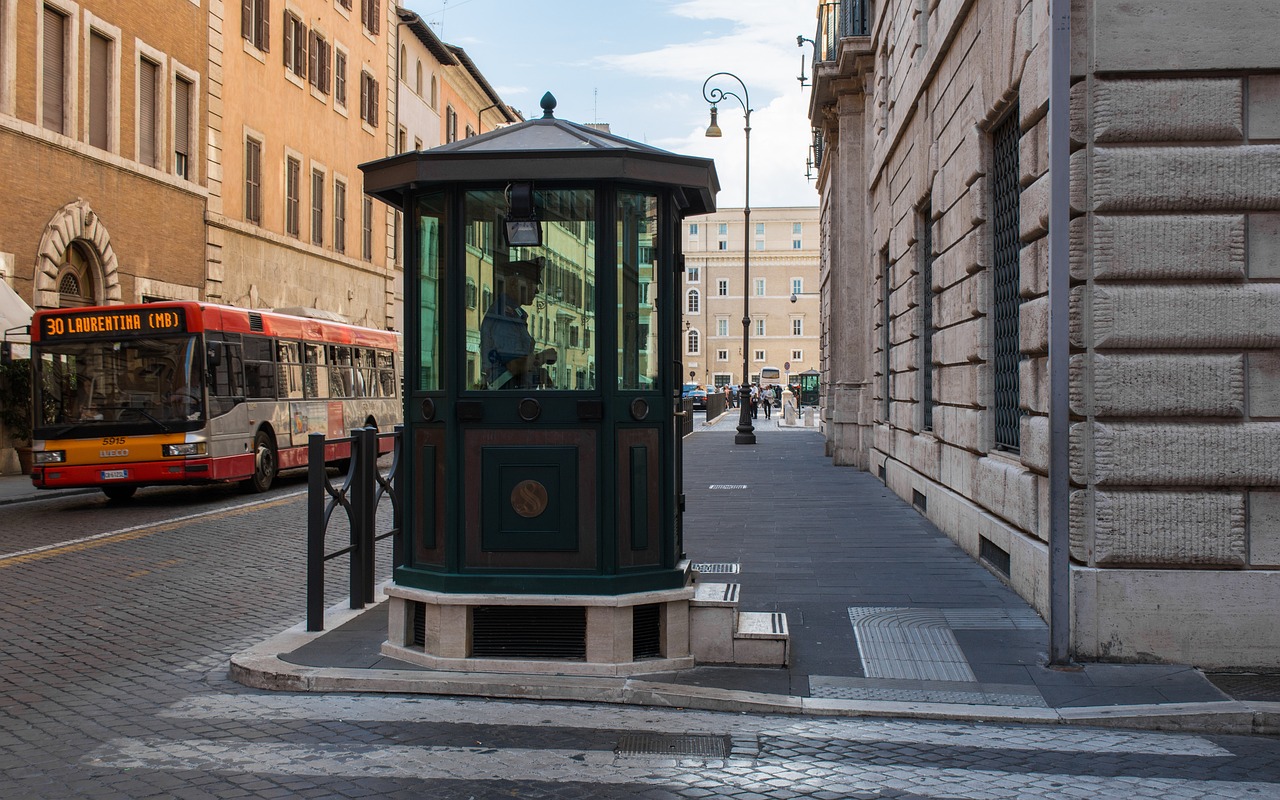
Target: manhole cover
1264,688
666,744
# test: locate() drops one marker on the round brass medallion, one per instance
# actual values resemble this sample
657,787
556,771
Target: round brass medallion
639,408
529,499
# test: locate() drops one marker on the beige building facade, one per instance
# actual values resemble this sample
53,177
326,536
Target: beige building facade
783,260
301,93
931,127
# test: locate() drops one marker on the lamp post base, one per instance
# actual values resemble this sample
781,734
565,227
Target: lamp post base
746,433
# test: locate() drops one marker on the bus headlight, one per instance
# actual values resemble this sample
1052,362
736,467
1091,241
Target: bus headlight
50,456
184,449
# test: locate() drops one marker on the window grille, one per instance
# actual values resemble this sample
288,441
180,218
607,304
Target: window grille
926,315
1005,201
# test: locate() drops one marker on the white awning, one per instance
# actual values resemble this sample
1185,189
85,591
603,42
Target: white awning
14,313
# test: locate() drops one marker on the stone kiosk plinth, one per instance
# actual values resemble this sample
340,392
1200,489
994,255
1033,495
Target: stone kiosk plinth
542,386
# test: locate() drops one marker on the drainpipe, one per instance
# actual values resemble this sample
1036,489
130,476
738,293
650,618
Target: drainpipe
1059,337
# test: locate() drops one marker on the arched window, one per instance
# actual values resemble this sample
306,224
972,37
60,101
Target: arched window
417,79
694,343
404,62
694,302
433,91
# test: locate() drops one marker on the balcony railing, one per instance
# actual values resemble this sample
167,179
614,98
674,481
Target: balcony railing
838,20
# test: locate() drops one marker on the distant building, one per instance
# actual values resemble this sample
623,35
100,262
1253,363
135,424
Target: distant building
783,263
931,132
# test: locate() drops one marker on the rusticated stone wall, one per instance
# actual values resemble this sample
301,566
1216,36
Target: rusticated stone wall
1174,307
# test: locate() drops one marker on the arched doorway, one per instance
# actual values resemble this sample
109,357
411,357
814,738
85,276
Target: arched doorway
75,264
77,278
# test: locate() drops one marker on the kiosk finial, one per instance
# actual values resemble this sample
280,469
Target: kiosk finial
548,105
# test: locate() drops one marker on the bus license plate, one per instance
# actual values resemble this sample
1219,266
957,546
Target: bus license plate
114,474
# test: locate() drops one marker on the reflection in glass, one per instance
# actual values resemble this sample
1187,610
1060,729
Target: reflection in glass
637,290
534,327
157,382
430,223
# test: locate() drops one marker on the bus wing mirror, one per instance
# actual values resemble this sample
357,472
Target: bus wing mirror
213,356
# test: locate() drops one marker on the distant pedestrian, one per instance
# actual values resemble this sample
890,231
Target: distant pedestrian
766,400
755,402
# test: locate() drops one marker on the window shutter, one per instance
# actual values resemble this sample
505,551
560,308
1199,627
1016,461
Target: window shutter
99,66
313,57
377,17
288,43
182,126
264,25
147,112
54,70
248,22
373,102
300,48
325,56
364,97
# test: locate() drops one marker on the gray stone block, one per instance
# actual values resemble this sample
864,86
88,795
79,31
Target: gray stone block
1157,385
1163,109
1245,316
1149,454
1264,245
1198,179
1160,528
1263,371
1162,35
1264,529
1264,107
1168,247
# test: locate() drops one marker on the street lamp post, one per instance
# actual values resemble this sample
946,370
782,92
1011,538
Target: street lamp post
746,433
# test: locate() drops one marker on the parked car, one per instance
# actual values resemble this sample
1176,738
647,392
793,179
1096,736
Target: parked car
697,394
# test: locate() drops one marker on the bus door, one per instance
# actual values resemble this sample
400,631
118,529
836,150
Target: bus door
230,433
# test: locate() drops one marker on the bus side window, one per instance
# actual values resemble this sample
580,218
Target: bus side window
386,373
290,358
259,367
315,378
226,378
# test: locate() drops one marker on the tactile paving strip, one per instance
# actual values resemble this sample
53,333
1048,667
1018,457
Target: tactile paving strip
913,643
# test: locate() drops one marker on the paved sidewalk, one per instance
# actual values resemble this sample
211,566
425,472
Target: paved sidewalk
18,489
888,617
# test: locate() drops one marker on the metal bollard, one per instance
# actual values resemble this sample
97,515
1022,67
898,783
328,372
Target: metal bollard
315,531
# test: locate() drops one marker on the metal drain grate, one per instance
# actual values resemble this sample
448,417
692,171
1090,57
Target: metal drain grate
717,569
673,744
727,486
1262,688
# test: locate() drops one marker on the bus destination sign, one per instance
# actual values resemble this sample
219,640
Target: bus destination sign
136,322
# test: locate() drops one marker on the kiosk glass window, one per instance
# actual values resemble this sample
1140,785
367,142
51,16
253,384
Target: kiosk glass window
533,332
430,223
638,323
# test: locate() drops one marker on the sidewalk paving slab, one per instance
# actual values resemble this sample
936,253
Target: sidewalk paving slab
858,572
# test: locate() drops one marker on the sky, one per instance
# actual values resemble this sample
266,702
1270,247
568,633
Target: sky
640,66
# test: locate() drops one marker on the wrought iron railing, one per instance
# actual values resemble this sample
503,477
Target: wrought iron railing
837,20
359,495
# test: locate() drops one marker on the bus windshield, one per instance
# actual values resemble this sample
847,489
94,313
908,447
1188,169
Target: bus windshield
153,382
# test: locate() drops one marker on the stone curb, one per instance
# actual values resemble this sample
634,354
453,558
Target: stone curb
261,667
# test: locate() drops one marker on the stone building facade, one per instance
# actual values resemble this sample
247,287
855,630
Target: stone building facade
783,262
930,123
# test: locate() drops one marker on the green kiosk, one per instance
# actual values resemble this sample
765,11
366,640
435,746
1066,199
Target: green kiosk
542,400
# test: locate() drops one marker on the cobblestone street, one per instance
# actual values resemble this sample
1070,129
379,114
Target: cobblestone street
114,676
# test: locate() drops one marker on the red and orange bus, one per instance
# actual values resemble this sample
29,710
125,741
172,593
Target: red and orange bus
184,392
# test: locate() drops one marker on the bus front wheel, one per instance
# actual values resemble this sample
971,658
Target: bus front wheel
119,493
265,465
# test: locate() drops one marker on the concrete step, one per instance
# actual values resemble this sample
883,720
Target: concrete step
762,638
716,594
